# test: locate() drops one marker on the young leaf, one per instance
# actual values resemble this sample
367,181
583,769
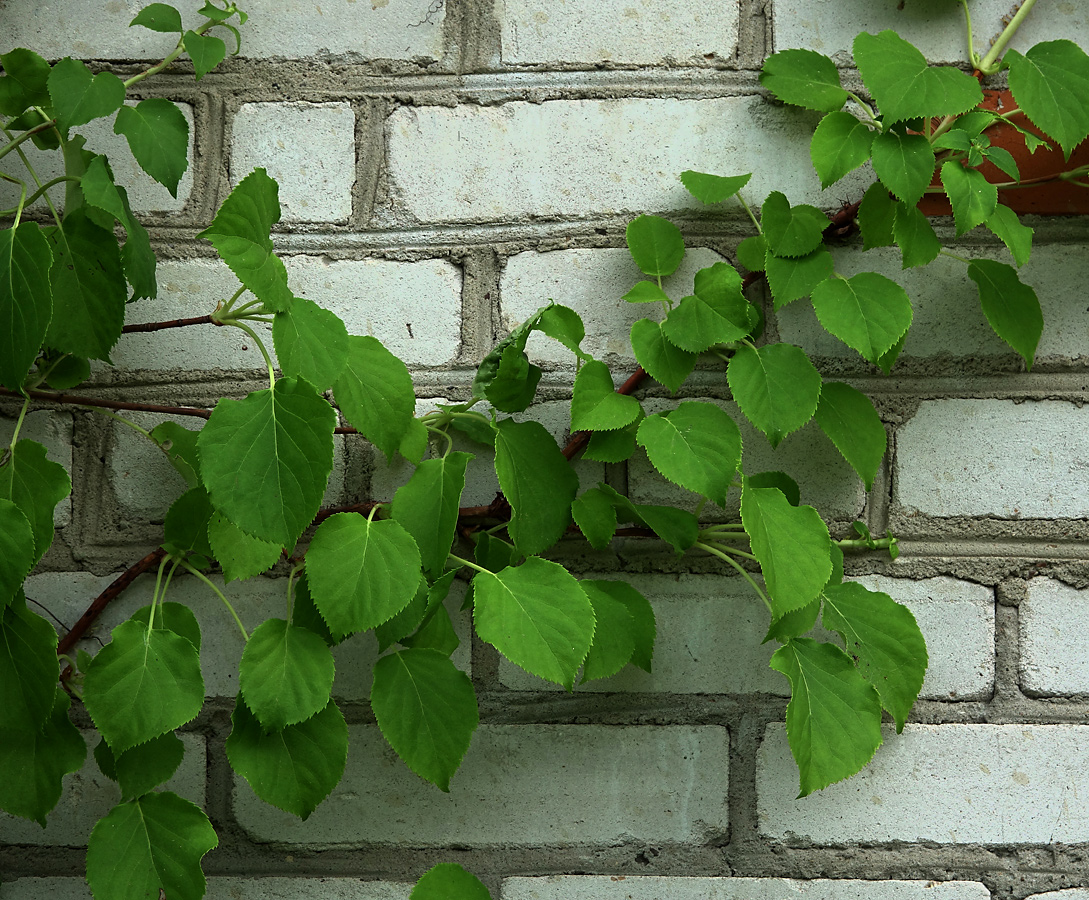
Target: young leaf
142,684
375,394
79,97
1003,159
159,17
286,674
752,252
205,50
426,708
792,545
240,234
1011,307
834,716
697,446
26,301
361,572
596,518
144,767
265,460
595,404
614,634
427,507
717,313
537,616
848,418
776,387
904,86
158,136
904,162
884,638
311,343
877,217
656,245
25,82
1049,83
713,188
28,668
867,311
35,485
151,844
175,617
448,880
664,361
791,231
1006,226
647,292
790,279
642,618
973,198
841,143
804,78
563,324
515,383
239,555
488,370
915,236
180,446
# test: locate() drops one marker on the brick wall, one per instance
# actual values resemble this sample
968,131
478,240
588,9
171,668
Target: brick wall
445,169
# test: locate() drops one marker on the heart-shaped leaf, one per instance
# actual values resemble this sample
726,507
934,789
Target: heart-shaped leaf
595,404
79,97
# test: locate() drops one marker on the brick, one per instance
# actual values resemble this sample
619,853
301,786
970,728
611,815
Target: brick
621,31
587,157
145,194
593,284
983,784
664,887
695,654
1068,894
829,26
220,888
89,795
948,320
67,595
309,148
581,784
993,457
53,430
1052,621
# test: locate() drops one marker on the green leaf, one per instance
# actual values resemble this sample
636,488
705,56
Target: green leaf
447,881
713,188
790,279
175,617
305,614
614,633
25,82
794,623
361,572
1011,307
877,217
143,684
494,553
776,387
28,668
408,619
848,418
79,97
375,394
752,253
211,11
488,370
915,236
414,442
779,480
159,17
137,257
537,616
151,844
515,383
1006,226
186,526
867,311
240,234
1050,83
804,78
642,618
37,761
904,86
35,485
563,324
144,767
286,674
475,426
295,768
973,198
100,191
67,372
886,362
427,507
665,362
537,481
717,313
596,518
697,446
206,51
26,301
647,292
676,527
436,633
791,231
88,288
426,708
611,446
1003,159
885,640
841,143
158,137
311,343
904,162
17,549
180,446
239,555
656,245
834,716
595,404
792,545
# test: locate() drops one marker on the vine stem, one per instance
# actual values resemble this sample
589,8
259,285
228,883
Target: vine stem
73,400
714,551
991,63
218,593
18,425
41,190
173,55
465,562
234,323
170,323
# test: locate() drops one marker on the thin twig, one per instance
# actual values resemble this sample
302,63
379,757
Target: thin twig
51,397
172,323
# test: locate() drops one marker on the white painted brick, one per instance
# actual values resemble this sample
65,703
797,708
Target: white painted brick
994,457
309,148
830,26
983,784
663,887
947,317
695,654
585,157
68,594
623,31
53,430
1068,894
89,795
579,784
145,194
1052,622
593,283
219,888
98,29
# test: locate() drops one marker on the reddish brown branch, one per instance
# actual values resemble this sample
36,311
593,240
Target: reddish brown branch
51,397
172,323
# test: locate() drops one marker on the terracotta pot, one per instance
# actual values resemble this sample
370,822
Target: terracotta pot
1057,198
